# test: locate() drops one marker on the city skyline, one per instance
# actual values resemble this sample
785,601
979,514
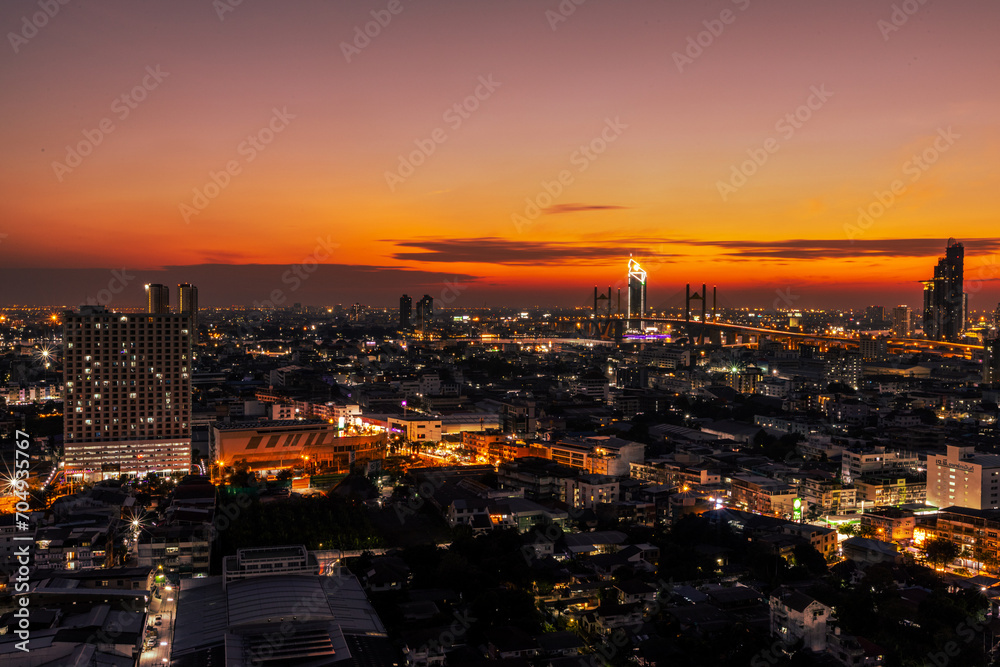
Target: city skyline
225,144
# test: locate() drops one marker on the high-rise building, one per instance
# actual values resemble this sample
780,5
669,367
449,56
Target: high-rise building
964,478
636,292
405,310
991,361
996,316
425,311
873,349
901,319
945,301
187,303
157,299
128,393
875,316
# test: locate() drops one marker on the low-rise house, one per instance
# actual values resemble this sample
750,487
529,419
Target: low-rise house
823,539
853,651
796,617
865,551
504,643
465,512
634,590
609,617
386,573
890,524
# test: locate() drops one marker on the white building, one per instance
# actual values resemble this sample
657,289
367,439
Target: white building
589,491
964,478
416,429
796,616
878,461
266,561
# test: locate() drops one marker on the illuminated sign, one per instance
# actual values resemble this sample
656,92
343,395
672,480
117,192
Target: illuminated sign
945,463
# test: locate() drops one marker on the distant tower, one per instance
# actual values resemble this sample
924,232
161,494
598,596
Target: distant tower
875,316
991,361
901,322
945,301
158,299
405,310
187,304
636,292
425,311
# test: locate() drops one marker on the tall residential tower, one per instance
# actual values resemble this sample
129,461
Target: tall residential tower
187,304
128,393
945,301
157,299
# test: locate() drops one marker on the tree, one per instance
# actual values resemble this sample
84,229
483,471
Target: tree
808,557
985,558
940,552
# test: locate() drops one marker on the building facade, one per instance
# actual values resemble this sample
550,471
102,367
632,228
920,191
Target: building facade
405,311
187,304
902,322
945,301
964,478
128,393
877,461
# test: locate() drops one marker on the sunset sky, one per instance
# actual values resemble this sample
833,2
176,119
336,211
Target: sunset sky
597,134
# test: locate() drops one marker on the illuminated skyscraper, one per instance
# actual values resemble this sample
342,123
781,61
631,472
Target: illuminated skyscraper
425,311
157,299
945,301
991,360
405,311
187,303
901,322
636,293
128,393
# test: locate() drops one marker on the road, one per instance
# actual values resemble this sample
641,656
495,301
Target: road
159,655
